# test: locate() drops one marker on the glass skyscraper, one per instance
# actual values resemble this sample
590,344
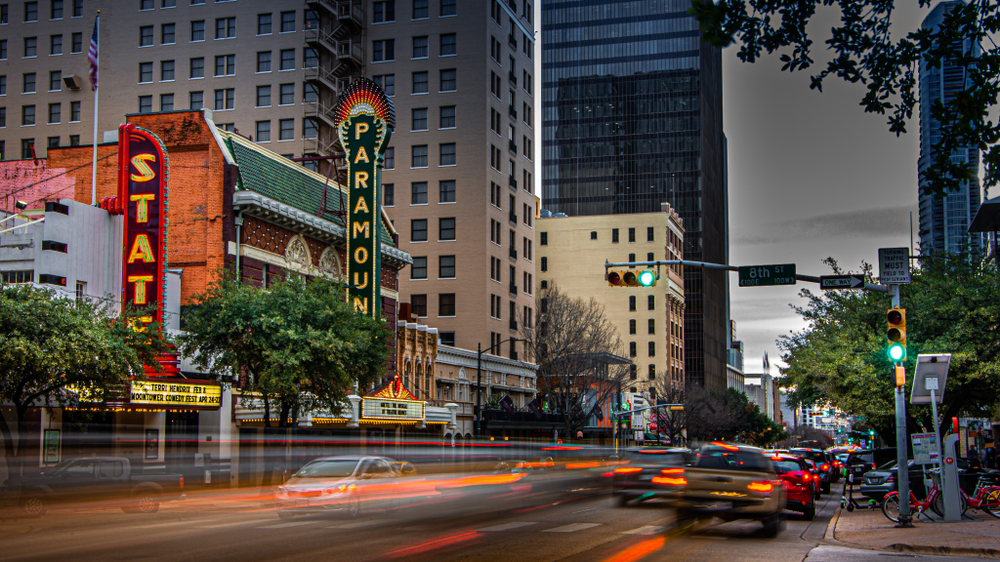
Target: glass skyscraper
944,222
632,117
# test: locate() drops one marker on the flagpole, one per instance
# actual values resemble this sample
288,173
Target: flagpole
93,171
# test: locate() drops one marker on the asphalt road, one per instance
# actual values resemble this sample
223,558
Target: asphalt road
519,525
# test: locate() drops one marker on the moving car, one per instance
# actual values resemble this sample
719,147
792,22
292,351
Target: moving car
650,473
346,484
733,482
98,479
800,483
823,464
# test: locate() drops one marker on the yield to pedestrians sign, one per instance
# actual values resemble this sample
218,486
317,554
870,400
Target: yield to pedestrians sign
894,265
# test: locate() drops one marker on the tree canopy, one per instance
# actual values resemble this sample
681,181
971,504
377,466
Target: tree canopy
865,50
297,345
840,357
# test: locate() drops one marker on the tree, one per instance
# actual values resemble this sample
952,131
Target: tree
579,355
297,345
727,415
865,51
671,424
840,358
54,351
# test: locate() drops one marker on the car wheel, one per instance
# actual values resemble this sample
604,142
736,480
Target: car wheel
146,502
34,506
621,500
773,526
810,512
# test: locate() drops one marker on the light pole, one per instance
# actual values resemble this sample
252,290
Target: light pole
479,381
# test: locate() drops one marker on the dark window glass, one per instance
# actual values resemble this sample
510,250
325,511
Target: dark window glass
390,158
198,30
56,10
31,11
418,192
631,234
310,58
631,302
145,104
419,156
449,7
447,191
263,24
196,100
420,48
225,28
446,307
166,70
419,268
420,9
76,44
651,302
287,94
145,72
30,46
448,120
198,67
447,229
418,304
614,235
166,102
55,45
388,194
418,230
286,129
544,264
447,154
387,83
650,234
449,82
55,81
287,22
385,11
419,82
288,59
263,96
264,61
77,8
446,267
145,36
55,112
448,44
74,111
168,33
384,50
419,119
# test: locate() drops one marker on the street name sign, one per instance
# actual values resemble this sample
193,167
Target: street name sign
766,275
841,282
894,265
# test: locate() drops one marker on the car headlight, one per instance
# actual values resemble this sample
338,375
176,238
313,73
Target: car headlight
282,492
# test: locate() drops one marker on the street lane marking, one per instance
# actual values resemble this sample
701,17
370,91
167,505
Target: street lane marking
505,526
292,524
355,525
647,530
572,528
582,510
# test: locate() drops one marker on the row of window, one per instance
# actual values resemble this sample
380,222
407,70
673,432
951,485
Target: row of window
56,11
446,267
418,232
225,28
651,326
419,121
446,308
632,349
418,193
385,11
30,46
55,114
543,238
27,146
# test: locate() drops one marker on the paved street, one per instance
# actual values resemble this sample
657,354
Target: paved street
520,524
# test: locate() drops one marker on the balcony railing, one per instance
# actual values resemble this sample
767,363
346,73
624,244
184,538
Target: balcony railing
513,217
512,112
513,253
513,289
512,182
512,146
513,326
512,77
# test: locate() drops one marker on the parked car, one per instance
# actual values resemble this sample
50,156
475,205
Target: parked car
98,479
650,473
862,461
801,483
878,483
823,464
346,484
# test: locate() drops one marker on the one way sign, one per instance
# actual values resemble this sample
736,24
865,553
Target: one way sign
841,282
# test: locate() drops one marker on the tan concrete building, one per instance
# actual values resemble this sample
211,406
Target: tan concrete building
650,321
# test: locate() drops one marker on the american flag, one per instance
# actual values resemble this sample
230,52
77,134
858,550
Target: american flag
92,56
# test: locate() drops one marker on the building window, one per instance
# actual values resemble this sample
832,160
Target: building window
631,258
388,195
449,44
448,120
287,22
652,371
74,140
631,235
263,24
145,72
286,94
419,119
74,111
418,193
632,349
287,59
652,349
77,8
449,7
650,234
225,28
651,302
448,80
76,43
146,36
420,9
545,263
166,102
420,83
196,100
385,12
446,228
419,268
418,230
310,57
310,93
418,305
419,154
286,129
446,307
263,131
309,128
225,65
264,61
446,191
146,5
543,238
614,235
197,31
55,81
388,83
55,113
3,117
145,104
56,10
168,34
631,327
446,267
420,47
593,235
390,158
30,47
652,326
263,96
631,303
166,70
55,45
384,50
225,99
198,67
447,154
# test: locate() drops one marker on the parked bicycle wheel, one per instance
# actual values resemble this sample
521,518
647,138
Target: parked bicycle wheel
938,504
991,502
890,506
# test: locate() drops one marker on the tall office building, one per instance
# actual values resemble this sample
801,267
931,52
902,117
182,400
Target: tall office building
944,222
631,118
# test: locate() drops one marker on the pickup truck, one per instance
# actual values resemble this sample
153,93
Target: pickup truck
94,479
733,482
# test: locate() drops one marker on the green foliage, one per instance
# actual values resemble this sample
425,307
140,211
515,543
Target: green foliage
865,51
727,415
298,344
951,307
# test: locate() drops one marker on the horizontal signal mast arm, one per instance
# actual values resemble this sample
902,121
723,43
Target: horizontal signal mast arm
709,265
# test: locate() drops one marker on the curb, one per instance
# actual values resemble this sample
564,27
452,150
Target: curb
831,527
944,550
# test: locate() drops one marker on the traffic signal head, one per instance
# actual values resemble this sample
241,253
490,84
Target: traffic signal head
896,334
614,279
628,279
647,279
631,278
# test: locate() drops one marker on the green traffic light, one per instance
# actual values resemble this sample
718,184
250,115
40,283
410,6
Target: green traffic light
896,352
647,278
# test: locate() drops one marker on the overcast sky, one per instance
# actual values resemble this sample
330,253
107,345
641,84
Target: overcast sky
810,176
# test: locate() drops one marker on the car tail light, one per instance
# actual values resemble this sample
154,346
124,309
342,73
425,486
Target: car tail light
891,478
670,481
672,471
627,469
824,467
182,483
760,486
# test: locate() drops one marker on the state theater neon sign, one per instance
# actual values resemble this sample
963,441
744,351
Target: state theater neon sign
365,119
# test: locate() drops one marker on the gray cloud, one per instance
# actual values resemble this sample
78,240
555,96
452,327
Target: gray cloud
866,223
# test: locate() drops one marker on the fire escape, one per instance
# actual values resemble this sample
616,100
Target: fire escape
339,41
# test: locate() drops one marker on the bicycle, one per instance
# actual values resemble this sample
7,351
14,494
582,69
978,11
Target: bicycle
986,498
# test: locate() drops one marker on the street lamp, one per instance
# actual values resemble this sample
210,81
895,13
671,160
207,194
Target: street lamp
479,381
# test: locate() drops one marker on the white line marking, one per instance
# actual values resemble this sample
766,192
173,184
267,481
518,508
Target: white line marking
292,524
647,530
582,510
572,528
505,527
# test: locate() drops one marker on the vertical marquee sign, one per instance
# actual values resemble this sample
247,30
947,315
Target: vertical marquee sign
365,119
142,198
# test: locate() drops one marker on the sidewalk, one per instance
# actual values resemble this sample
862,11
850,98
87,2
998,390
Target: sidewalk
869,528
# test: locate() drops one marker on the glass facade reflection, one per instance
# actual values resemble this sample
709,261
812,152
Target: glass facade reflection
632,117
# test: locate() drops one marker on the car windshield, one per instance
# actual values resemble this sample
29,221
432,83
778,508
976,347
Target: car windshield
733,460
327,469
813,455
784,466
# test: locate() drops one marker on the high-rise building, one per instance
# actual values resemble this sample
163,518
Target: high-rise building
632,118
458,180
944,222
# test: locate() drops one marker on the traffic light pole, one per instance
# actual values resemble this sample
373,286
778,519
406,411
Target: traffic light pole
902,464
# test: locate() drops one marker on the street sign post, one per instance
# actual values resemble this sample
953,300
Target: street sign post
841,282
767,275
894,265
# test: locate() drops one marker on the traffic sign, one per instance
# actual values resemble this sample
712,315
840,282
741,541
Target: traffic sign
765,275
894,266
841,282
